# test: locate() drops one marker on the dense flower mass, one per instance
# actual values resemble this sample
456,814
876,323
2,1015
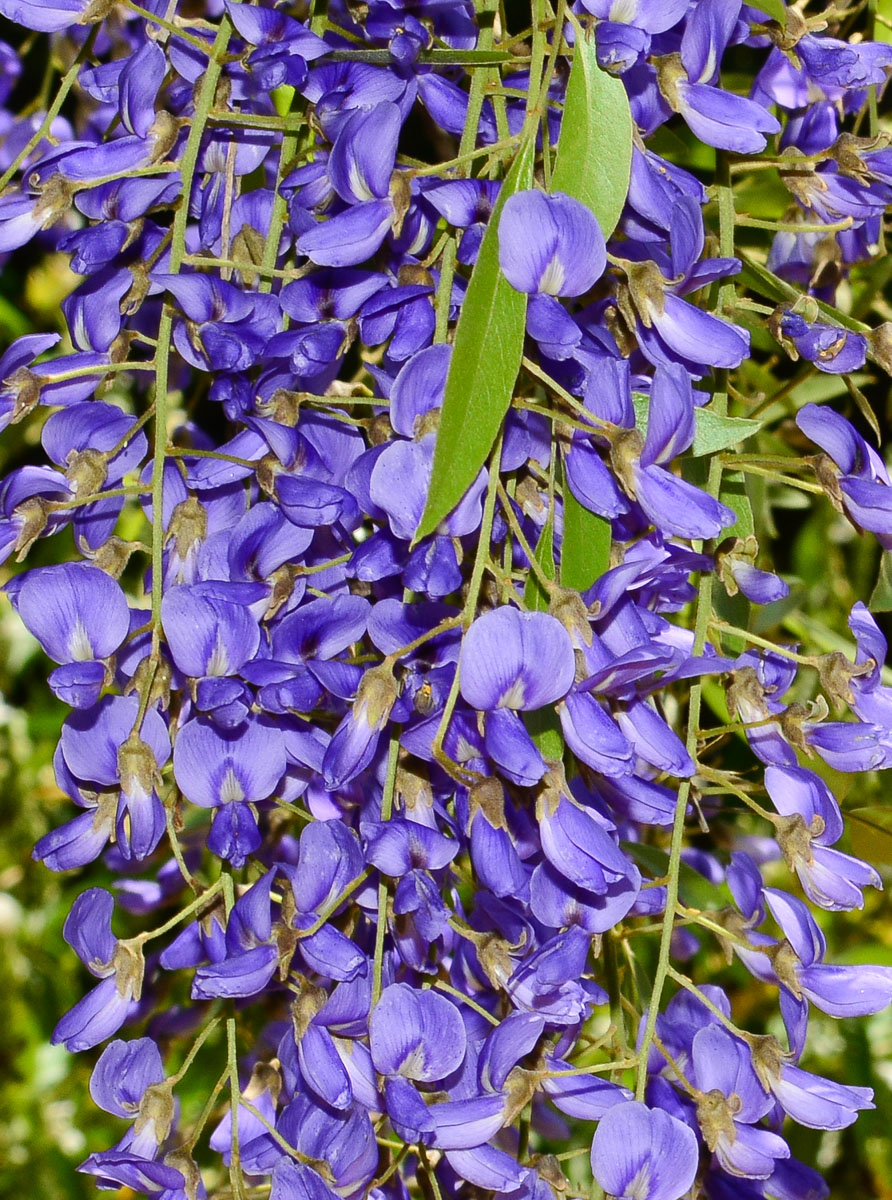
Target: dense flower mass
397,593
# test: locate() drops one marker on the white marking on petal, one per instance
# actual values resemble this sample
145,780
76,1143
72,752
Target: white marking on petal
623,10
230,789
358,185
639,1187
219,660
553,276
79,644
514,697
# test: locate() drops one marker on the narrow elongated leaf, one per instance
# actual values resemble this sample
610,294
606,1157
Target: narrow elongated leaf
585,550
485,362
534,595
765,283
881,32
594,155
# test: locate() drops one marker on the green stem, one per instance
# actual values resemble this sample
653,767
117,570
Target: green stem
198,902
193,1051
53,111
383,886
441,986
203,103
235,1163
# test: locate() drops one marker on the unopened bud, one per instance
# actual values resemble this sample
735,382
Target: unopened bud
157,1106
188,526
86,471
715,1116
137,768
130,967
25,387
488,798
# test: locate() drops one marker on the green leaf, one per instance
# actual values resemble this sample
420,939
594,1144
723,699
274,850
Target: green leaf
485,362
712,432
585,551
881,596
534,595
871,832
774,9
733,493
544,727
761,280
282,98
594,155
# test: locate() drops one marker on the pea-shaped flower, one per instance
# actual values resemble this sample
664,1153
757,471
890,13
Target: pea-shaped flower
514,661
641,1153
550,244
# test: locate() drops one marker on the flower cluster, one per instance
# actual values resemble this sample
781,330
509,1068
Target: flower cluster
396,791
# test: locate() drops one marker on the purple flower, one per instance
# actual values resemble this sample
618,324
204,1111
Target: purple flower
119,966
834,350
639,1153
862,487
811,822
248,763
102,746
732,1100
416,1035
515,660
550,244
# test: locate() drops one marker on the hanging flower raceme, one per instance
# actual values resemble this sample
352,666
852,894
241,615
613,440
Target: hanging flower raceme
446,830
